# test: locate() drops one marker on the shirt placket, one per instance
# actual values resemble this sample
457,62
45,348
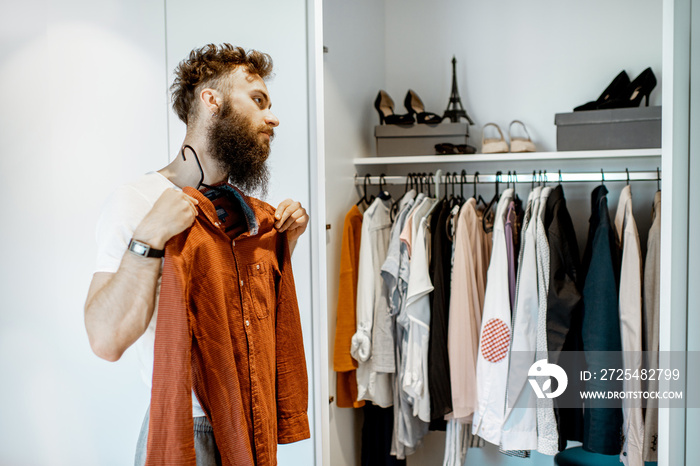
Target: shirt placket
248,324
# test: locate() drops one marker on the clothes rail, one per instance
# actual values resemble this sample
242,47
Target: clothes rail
548,177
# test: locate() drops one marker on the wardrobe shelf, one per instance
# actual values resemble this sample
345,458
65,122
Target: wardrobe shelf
509,157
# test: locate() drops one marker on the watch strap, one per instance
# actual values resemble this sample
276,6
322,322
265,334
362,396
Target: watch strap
144,249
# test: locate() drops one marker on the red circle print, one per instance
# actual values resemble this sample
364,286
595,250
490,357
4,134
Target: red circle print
495,340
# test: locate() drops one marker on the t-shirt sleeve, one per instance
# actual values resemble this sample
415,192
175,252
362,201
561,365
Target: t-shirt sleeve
120,215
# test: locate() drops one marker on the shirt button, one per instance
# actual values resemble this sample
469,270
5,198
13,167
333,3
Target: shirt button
247,323
233,243
241,282
257,266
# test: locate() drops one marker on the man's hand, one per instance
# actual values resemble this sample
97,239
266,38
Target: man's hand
291,217
172,213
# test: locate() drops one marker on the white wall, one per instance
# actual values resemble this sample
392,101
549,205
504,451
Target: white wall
85,108
516,60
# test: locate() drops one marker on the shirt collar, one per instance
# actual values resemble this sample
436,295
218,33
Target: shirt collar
235,194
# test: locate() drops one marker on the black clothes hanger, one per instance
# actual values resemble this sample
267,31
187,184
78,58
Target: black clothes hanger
384,195
516,198
559,177
201,171
658,179
628,176
364,198
534,175
394,209
479,199
488,212
602,177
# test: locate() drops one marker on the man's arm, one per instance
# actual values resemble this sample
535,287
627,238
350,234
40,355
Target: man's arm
119,306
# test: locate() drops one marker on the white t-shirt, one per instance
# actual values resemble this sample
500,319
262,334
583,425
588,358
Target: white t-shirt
121,214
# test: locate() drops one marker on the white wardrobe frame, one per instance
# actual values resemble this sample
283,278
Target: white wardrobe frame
678,326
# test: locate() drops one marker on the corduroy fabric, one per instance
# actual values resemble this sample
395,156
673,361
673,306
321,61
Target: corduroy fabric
229,328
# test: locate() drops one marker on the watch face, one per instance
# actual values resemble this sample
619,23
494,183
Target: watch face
139,248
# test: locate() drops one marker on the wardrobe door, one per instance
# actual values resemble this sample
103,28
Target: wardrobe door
278,28
693,414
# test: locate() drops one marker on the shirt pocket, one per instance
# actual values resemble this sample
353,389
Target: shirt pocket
261,285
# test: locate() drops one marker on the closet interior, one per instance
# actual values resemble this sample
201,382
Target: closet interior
515,61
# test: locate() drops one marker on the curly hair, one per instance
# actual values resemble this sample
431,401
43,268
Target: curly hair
209,66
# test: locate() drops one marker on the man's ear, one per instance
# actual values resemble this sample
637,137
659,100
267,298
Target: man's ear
211,100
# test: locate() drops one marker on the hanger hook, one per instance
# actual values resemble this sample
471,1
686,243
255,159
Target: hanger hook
368,181
658,179
498,176
602,177
559,177
628,176
476,180
544,179
201,170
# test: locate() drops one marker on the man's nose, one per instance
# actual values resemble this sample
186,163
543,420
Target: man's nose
271,119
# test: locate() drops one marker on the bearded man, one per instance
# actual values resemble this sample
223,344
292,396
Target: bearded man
229,313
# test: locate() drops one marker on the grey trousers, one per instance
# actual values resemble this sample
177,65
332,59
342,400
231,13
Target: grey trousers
204,444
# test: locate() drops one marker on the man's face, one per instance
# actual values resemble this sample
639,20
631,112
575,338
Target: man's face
240,134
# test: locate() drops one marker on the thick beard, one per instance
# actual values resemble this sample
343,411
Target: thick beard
234,145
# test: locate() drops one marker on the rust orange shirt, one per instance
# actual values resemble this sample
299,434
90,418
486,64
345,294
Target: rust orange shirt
228,327
346,325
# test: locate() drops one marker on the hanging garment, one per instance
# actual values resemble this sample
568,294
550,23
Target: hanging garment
631,327
377,431
373,343
343,363
467,288
391,267
547,435
438,358
564,304
601,328
520,425
458,440
408,429
467,291
395,275
652,286
229,328
511,253
494,342
417,313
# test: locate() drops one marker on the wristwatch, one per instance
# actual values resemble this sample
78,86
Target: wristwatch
142,249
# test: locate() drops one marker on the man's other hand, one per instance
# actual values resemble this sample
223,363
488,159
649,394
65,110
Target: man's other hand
172,213
291,217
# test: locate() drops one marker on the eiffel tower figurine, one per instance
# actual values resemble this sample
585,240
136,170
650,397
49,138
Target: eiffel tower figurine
455,111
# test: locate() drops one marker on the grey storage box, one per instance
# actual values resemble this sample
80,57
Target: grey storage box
417,139
620,128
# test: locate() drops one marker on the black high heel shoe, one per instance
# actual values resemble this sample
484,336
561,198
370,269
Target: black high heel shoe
637,90
385,107
614,90
414,105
